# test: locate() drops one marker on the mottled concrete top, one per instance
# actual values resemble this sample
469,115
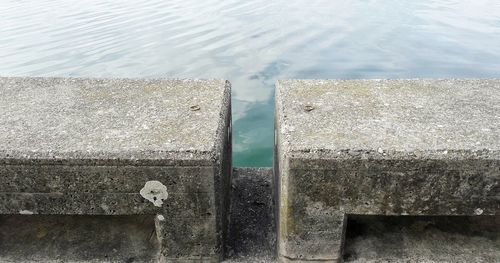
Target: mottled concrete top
390,117
68,118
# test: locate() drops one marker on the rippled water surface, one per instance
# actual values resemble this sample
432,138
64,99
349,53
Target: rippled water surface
252,43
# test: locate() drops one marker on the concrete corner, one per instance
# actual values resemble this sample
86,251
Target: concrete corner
155,147
381,147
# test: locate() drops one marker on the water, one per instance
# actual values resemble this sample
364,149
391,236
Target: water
252,43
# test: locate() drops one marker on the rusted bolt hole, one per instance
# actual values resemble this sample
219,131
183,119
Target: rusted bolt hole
308,108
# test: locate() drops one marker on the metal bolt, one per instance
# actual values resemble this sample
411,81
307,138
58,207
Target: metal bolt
308,108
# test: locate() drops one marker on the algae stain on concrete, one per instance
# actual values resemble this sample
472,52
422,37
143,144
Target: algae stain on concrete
155,192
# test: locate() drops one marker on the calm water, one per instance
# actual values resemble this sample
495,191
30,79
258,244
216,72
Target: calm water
252,43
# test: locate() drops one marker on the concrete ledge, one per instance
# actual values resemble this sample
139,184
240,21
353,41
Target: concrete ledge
382,147
100,170
121,147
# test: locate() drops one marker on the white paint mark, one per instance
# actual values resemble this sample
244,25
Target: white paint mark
155,192
25,212
478,211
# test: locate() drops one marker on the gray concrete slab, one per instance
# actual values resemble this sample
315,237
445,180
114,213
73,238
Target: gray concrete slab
132,119
392,116
387,147
118,147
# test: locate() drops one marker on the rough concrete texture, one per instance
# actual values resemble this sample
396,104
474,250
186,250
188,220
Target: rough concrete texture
368,238
56,238
387,147
69,238
132,119
252,231
423,239
398,116
91,146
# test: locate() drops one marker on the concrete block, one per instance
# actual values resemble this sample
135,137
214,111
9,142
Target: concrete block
381,147
121,147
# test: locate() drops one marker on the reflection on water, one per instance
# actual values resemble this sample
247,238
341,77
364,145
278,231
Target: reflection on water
252,43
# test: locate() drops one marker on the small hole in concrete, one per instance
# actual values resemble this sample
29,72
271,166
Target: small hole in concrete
308,108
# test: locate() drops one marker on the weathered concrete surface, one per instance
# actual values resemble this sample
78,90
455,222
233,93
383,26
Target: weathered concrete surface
368,238
252,230
92,146
423,239
55,238
388,147
87,120
70,238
